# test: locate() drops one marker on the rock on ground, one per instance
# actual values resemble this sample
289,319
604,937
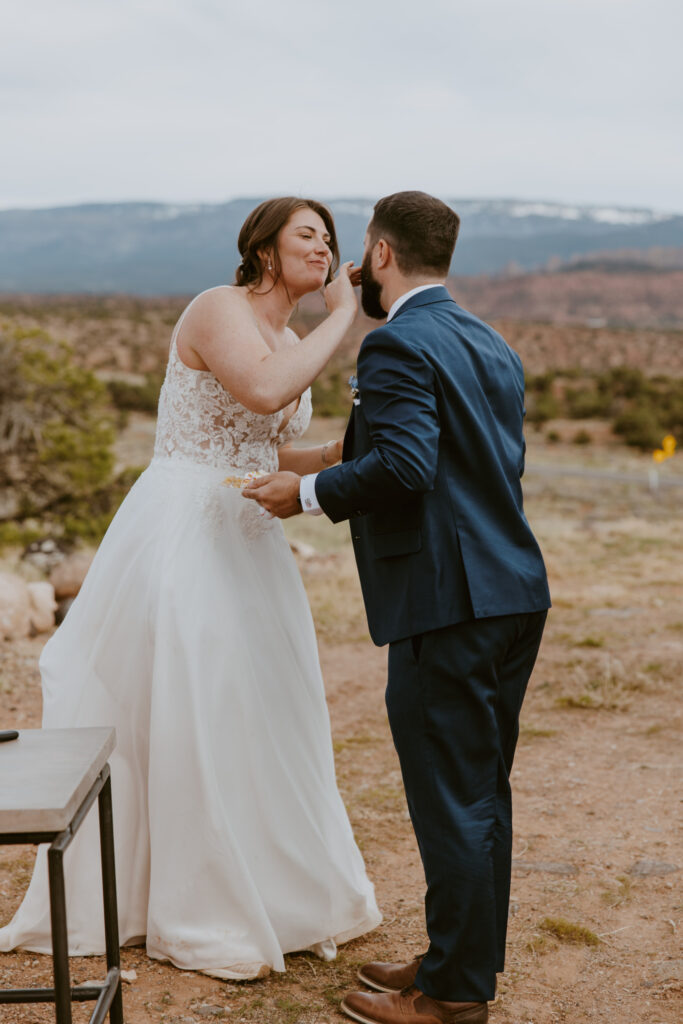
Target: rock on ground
43,606
15,607
68,576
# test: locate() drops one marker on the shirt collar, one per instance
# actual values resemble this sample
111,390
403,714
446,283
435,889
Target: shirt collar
408,295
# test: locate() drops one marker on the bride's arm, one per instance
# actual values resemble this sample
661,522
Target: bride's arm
310,460
223,332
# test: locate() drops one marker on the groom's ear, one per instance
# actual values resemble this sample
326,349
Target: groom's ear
383,253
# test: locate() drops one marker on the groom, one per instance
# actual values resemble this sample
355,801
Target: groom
453,581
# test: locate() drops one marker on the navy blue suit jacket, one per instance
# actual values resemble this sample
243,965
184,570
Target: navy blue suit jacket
430,478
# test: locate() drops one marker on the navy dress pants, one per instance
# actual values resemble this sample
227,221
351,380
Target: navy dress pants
453,697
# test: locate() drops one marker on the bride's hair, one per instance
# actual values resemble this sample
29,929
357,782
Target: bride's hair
259,235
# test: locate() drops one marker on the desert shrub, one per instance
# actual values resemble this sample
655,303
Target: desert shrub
542,407
668,401
553,437
641,409
588,403
540,383
582,437
136,397
56,430
88,519
14,534
624,381
640,426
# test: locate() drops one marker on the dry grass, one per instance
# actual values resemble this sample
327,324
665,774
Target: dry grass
567,931
622,892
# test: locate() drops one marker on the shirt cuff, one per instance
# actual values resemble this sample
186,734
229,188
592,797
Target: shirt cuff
309,501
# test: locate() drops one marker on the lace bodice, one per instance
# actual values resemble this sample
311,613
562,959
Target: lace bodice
199,421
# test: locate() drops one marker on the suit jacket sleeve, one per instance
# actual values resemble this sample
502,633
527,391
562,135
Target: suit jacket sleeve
396,385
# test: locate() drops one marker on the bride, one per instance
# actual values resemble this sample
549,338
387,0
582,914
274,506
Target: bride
192,636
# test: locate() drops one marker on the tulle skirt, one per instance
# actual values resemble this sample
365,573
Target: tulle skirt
192,635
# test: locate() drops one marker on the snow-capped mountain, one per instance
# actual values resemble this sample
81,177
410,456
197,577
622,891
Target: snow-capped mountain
163,248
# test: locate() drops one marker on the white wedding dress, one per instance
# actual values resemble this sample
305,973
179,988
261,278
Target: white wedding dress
192,635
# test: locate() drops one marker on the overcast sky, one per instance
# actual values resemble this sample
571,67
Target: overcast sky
206,100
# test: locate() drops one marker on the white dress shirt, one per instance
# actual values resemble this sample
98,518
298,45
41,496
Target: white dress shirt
307,495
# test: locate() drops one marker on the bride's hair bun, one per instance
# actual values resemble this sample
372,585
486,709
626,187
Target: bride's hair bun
257,242
246,272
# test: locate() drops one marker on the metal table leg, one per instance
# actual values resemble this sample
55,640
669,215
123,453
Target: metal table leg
60,942
111,918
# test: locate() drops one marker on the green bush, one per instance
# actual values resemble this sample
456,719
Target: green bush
624,381
56,431
640,426
14,534
669,404
540,383
89,519
588,403
543,407
136,397
641,409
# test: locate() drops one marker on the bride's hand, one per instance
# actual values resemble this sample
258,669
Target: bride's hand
339,293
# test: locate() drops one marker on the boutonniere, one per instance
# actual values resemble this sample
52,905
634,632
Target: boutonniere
353,385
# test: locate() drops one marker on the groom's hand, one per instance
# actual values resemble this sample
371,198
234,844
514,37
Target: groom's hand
277,493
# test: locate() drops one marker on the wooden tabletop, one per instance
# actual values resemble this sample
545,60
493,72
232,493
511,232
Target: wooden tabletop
45,775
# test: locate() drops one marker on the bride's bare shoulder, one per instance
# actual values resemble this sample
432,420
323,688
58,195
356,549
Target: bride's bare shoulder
217,312
219,301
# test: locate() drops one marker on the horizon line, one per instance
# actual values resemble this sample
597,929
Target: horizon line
76,204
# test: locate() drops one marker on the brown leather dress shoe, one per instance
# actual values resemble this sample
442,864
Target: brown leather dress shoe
410,1007
385,977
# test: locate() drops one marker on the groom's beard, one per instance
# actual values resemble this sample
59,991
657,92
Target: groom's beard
370,291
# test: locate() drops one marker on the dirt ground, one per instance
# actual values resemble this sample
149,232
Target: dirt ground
595,924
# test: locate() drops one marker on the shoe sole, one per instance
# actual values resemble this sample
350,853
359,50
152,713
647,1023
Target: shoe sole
374,984
477,1016
355,1015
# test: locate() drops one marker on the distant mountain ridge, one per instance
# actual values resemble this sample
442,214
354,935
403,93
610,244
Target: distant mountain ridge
151,248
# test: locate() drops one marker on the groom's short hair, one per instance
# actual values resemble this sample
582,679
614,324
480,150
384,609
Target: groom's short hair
421,230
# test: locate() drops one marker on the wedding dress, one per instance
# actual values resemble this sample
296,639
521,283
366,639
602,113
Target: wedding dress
192,635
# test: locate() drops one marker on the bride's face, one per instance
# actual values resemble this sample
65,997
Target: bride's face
304,251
